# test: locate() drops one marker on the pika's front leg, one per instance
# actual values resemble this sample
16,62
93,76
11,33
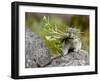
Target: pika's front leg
77,45
65,49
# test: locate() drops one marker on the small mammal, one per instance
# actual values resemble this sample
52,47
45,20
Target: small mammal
71,42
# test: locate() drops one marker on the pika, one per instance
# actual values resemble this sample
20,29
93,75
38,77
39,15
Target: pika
71,42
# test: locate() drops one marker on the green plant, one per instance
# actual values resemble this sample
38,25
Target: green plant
52,28
53,35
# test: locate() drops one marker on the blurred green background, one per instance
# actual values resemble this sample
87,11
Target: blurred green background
40,22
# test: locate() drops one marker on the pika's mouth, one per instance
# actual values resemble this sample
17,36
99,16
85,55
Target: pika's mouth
70,37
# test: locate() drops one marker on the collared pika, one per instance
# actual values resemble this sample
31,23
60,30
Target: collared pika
71,42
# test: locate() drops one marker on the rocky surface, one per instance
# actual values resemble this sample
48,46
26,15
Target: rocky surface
36,55
71,59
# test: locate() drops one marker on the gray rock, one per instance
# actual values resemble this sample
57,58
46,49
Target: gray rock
71,59
36,54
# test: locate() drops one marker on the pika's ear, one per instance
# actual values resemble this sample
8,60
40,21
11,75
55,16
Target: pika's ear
69,29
